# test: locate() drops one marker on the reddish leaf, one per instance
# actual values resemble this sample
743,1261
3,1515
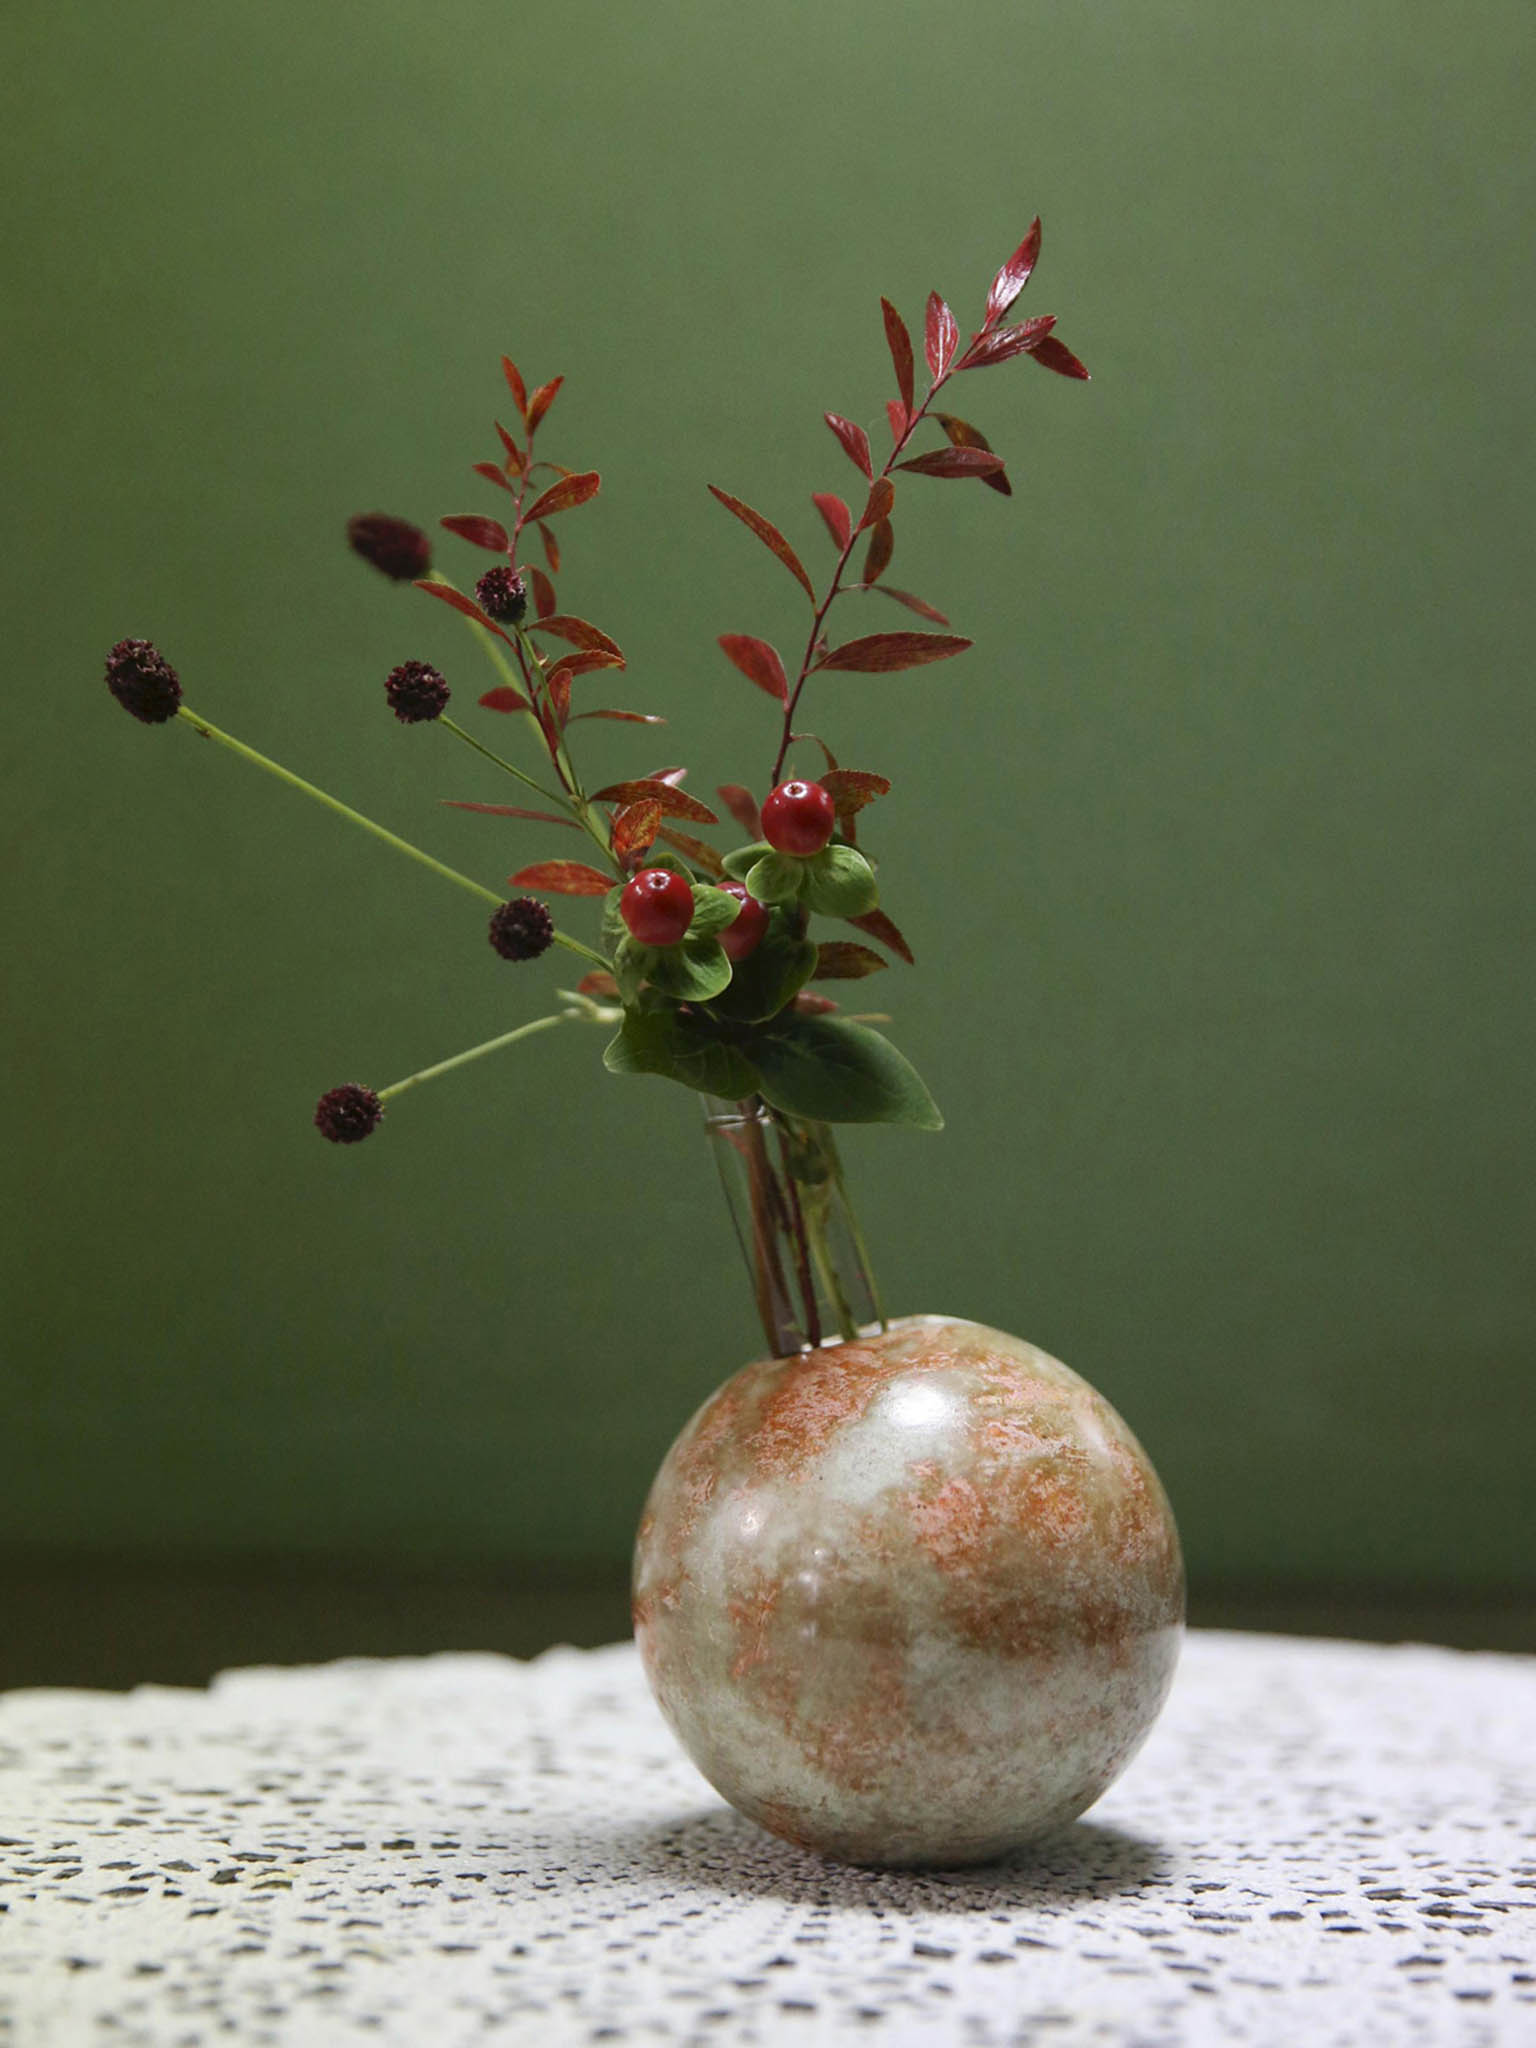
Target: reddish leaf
504,698
882,544
560,497
560,697
816,740
913,604
1055,355
463,604
675,776
675,803
809,1004
844,960
900,344
882,496
1014,275
880,653
852,788
515,385
493,474
543,593
963,435
511,811
561,878
899,418
941,336
878,926
854,439
483,533
551,549
623,717
580,634
598,983
542,400
514,453
758,662
703,856
635,828
955,462
769,535
839,519
1007,342
551,728
583,664
742,806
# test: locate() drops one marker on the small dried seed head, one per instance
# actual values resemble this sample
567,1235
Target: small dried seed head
348,1114
143,681
401,550
416,692
502,595
522,929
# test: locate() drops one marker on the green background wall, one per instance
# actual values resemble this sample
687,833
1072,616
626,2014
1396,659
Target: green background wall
1216,851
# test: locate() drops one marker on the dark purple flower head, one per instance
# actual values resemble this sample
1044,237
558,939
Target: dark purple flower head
416,692
143,681
522,929
502,595
401,550
347,1115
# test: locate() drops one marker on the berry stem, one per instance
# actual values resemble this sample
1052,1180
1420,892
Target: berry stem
331,803
834,588
550,796
477,1052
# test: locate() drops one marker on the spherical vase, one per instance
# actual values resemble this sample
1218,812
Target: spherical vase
914,1598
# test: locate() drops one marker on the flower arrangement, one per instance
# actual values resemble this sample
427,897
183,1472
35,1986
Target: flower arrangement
709,964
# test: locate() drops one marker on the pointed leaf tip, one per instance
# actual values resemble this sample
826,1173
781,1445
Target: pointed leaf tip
758,661
769,535
1055,355
1014,275
941,336
854,440
880,653
900,344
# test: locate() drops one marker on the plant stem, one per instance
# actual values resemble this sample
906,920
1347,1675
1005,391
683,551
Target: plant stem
550,796
331,803
835,586
476,1052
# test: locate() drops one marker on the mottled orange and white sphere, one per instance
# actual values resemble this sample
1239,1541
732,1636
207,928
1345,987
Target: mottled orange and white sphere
913,1599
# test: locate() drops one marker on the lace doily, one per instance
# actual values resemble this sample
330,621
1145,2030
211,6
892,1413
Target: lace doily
1322,1843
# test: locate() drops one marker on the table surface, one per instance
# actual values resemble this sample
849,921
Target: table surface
1322,1843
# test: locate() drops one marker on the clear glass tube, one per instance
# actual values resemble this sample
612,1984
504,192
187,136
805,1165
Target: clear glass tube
784,1186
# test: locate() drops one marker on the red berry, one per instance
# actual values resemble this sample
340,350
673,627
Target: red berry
657,906
798,818
746,934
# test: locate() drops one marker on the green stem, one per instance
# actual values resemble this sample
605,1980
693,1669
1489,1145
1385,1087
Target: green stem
331,803
550,796
476,1052
212,732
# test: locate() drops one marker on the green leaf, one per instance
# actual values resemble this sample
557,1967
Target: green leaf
739,863
632,962
840,1073
713,911
613,931
839,883
770,976
777,877
681,1049
691,972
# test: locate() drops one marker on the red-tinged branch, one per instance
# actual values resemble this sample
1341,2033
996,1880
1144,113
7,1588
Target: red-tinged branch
834,588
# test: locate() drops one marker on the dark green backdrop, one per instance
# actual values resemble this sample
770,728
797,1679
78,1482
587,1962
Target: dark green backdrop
1216,851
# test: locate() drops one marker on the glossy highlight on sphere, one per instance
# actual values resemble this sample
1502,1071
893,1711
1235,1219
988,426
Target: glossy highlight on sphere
799,818
657,907
914,1599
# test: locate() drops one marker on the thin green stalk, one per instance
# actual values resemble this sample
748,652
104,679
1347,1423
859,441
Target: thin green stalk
476,1052
550,796
331,803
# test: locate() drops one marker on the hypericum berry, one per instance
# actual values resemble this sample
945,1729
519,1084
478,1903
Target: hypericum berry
798,817
502,595
348,1114
401,550
657,906
746,934
416,692
143,681
522,929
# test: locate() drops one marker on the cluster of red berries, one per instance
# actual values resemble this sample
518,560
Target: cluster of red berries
657,905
